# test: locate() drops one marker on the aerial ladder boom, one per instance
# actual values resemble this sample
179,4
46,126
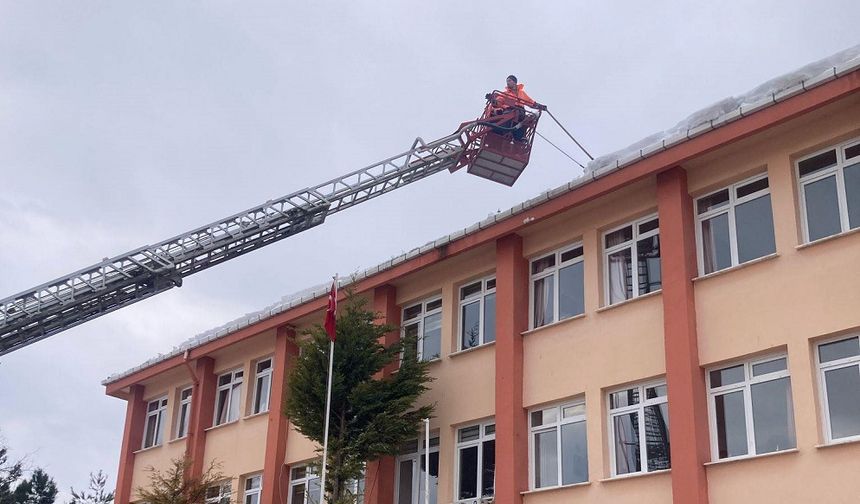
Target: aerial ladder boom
117,282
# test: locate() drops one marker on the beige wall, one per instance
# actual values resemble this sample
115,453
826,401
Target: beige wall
780,303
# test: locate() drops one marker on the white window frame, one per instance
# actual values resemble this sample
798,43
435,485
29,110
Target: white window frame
633,245
745,386
237,378
841,196
184,406
458,445
479,297
258,377
419,319
553,272
555,426
822,385
159,413
225,492
729,208
249,492
640,410
310,475
416,457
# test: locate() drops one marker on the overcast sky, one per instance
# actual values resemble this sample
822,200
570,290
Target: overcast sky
124,123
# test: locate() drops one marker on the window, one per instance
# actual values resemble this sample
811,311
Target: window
262,385
184,414
220,493
557,286
423,321
411,464
632,412
734,225
304,485
253,485
830,191
641,240
839,375
750,408
558,445
478,313
476,463
228,398
155,412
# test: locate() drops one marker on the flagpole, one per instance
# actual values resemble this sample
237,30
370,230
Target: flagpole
327,414
328,398
426,461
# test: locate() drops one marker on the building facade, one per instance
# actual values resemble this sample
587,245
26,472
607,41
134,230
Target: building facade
684,328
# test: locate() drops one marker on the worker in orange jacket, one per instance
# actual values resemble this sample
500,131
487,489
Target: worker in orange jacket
513,96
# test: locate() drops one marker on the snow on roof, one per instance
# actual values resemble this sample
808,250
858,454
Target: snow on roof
697,123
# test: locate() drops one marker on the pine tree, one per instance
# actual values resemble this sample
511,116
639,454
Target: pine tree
371,416
97,492
172,486
9,474
38,489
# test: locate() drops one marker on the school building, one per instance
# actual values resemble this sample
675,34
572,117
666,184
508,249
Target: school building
681,325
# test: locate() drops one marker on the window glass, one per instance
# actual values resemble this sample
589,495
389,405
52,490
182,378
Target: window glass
773,418
648,267
574,450
852,194
546,459
412,312
731,424
488,468
544,304
490,316
620,276
404,495
539,265
752,187
626,433
469,433
754,229
843,400
571,254
470,324
649,226
714,201
839,349
852,152
470,290
822,208
468,469
432,341
623,398
657,437
816,163
618,237
773,366
727,376
716,248
571,291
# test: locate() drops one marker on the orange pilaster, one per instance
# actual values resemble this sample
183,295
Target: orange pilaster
688,409
202,411
132,440
379,475
275,475
511,320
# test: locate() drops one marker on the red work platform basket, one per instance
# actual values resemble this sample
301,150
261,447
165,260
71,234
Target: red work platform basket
498,145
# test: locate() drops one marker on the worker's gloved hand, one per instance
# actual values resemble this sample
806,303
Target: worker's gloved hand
540,106
488,96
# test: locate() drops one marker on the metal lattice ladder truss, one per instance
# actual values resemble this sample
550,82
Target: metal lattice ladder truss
89,293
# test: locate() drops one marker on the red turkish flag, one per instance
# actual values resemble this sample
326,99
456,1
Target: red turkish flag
331,312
